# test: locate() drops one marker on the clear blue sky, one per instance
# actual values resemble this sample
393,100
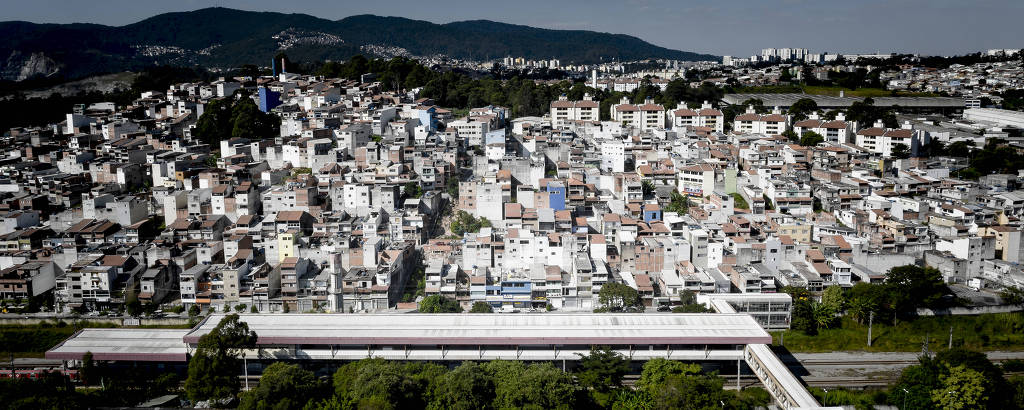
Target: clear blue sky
723,27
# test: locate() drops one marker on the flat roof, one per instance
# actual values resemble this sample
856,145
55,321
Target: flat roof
827,101
161,345
496,329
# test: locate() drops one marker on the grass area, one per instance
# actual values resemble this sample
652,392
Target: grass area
999,331
739,202
831,90
861,92
35,340
860,399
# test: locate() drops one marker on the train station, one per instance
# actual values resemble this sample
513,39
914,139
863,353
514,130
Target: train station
721,339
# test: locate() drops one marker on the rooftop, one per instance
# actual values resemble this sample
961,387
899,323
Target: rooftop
455,329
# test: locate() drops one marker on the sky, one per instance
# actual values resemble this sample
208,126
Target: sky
722,27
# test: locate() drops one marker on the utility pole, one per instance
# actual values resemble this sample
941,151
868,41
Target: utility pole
245,368
738,374
871,321
950,337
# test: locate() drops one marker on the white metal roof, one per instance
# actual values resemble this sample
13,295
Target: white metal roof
497,329
123,344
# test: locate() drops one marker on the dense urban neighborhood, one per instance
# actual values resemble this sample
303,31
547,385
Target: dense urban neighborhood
792,229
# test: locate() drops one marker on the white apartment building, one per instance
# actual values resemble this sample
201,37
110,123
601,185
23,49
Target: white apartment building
696,180
838,131
881,141
768,124
473,131
647,116
613,156
704,117
563,110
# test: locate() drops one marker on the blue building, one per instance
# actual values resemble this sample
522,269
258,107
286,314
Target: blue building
556,195
518,292
428,117
268,99
652,212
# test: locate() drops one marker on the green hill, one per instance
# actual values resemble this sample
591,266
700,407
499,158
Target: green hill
227,38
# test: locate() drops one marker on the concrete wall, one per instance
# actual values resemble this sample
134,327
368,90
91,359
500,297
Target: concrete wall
962,311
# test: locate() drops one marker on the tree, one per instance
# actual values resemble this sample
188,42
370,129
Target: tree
824,315
688,303
451,186
657,371
537,386
213,370
133,307
618,296
866,298
247,121
911,287
464,223
803,318
961,388
215,123
833,298
692,392
282,386
679,204
88,370
900,151
801,108
647,187
1012,295
810,139
413,190
467,387
481,307
757,104
235,118
602,369
439,304
378,384
194,310
791,136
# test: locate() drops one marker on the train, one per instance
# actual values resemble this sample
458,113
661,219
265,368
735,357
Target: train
38,373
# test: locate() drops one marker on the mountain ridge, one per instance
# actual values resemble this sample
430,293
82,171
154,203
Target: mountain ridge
225,37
